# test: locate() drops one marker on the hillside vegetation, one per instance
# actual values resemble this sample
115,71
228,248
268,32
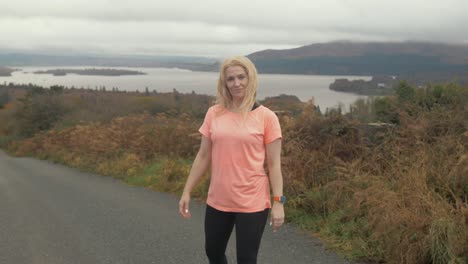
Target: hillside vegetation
361,58
385,182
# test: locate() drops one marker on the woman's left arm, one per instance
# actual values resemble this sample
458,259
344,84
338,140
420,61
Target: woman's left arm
273,150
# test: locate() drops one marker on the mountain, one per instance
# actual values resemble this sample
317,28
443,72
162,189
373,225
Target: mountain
375,58
420,60
184,62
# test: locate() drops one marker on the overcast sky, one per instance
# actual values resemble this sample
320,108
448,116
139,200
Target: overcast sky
219,28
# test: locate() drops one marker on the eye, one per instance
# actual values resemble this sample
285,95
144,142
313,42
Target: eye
230,79
241,77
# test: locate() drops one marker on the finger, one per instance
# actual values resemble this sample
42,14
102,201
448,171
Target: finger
181,207
278,220
184,210
277,223
275,228
275,220
187,215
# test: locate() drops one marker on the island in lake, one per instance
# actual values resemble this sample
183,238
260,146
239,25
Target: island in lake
5,71
378,85
92,71
384,85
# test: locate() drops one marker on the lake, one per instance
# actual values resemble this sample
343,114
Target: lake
165,80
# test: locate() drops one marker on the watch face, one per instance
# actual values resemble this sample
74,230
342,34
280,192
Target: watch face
283,199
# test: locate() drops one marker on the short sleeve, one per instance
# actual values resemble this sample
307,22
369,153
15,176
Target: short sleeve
272,127
205,128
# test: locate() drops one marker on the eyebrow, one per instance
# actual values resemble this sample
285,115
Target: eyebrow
239,75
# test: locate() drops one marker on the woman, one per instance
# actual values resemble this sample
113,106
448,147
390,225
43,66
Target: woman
237,136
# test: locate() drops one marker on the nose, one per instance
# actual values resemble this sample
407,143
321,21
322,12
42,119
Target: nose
237,82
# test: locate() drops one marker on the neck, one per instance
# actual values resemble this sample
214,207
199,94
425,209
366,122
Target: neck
236,104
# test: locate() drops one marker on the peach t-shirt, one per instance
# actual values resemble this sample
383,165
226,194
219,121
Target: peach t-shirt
239,182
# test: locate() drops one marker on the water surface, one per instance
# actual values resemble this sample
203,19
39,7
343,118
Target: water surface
165,80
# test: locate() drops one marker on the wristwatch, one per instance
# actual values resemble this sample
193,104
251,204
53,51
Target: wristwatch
281,199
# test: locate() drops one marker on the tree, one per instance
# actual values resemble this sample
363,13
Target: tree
385,110
57,89
39,111
405,92
4,98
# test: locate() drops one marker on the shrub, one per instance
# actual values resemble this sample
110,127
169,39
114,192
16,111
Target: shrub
4,98
39,112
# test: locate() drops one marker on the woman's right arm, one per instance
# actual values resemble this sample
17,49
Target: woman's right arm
199,167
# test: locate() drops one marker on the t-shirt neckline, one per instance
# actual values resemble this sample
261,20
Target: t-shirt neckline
238,113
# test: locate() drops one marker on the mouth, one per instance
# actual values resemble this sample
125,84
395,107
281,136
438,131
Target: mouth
237,90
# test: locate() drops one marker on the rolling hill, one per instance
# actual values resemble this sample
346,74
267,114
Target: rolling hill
377,58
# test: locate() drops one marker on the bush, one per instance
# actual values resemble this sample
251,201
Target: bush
405,92
400,199
4,98
39,112
386,110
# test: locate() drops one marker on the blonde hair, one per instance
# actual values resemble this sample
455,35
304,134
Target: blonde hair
224,98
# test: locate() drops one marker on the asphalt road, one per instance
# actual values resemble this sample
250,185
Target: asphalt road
53,214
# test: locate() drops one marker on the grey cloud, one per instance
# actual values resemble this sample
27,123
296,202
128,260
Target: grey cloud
219,27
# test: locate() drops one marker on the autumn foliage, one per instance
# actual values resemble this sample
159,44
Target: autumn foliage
394,192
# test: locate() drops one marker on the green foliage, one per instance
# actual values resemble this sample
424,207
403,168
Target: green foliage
173,175
398,199
36,90
57,89
362,110
442,238
148,176
405,92
442,96
40,110
409,101
385,110
5,140
4,98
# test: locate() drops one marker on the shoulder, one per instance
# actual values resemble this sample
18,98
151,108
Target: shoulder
215,108
267,112
214,111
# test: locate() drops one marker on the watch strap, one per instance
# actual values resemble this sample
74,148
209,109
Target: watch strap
281,199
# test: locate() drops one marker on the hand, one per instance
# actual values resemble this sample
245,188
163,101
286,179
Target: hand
184,205
277,216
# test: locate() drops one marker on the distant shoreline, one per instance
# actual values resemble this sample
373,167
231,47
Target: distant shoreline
92,71
385,85
377,86
5,71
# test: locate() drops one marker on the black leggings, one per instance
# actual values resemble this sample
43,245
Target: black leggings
249,231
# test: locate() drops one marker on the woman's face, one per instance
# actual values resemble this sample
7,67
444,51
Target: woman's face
236,82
